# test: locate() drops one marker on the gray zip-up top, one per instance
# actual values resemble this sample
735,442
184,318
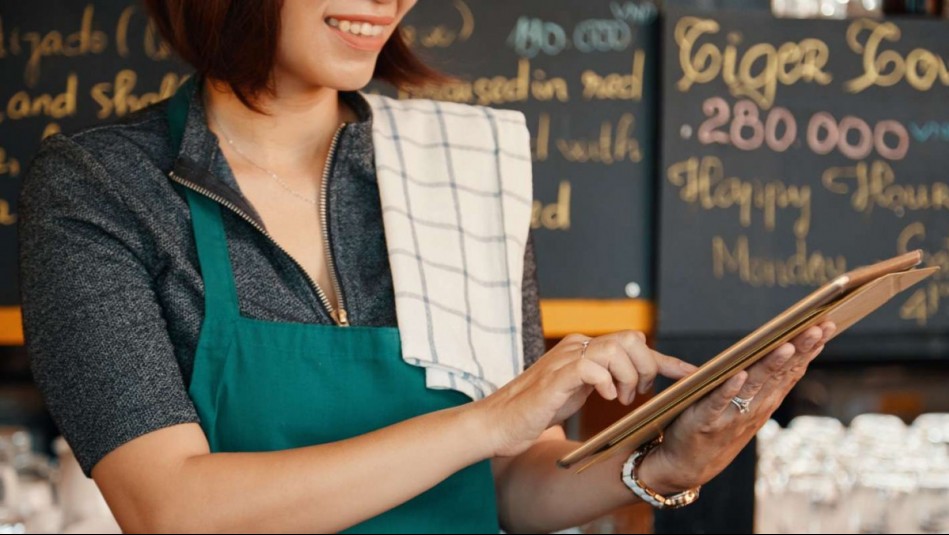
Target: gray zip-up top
112,294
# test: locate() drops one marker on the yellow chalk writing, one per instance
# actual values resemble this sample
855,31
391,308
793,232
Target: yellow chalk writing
491,90
615,143
7,217
442,35
41,45
8,165
702,182
616,86
875,185
117,97
556,215
51,128
23,105
540,142
924,303
803,268
757,72
920,68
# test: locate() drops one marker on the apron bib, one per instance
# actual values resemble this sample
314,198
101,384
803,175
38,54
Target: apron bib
266,386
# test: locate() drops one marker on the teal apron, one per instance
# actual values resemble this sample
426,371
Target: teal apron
265,386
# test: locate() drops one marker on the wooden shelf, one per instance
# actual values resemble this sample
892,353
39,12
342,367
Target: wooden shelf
561,317
595,317
11,326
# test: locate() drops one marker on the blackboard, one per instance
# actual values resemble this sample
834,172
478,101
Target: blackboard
793,150
65,65
584,74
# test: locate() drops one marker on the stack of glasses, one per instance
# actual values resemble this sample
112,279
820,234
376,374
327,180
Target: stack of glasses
27,485
877,476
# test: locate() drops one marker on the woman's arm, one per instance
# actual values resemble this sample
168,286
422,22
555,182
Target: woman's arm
167,481
535,496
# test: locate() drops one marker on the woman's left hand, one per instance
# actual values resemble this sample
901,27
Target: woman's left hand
710,434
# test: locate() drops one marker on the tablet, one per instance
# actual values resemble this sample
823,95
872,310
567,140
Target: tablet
845,300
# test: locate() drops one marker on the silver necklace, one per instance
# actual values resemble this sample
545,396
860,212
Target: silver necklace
273,175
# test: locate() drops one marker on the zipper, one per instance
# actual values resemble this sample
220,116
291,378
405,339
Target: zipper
341,317
337,314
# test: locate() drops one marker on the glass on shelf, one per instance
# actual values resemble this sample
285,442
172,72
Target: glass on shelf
827,9
33,477
11,499
875,476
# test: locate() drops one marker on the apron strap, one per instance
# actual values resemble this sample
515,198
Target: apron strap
220,292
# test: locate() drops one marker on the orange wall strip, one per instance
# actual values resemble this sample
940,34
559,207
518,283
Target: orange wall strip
11,326
561,317
595,317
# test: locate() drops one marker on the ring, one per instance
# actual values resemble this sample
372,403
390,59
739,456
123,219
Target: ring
742,404
583,348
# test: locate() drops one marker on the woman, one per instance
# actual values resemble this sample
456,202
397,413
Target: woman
263,333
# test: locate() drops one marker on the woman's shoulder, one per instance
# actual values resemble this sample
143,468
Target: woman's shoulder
111,170
119,151
141,134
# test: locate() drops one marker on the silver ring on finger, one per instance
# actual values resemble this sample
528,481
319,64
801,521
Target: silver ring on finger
583,347
742,404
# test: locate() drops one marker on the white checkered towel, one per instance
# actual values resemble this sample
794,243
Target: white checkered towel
455,184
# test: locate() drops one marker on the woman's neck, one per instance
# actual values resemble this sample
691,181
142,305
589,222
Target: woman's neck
294,132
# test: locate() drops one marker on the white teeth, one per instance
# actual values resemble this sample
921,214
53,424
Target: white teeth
356,28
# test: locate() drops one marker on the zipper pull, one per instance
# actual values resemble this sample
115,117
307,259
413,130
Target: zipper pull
342,318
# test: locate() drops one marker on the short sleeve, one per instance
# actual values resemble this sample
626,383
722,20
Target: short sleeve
96,336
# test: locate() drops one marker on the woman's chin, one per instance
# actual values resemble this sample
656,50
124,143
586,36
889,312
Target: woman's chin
353,81
292,84
342,80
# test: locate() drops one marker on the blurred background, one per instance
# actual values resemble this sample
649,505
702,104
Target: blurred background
698,166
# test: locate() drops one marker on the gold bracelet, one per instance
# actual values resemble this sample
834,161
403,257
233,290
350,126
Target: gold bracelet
647,494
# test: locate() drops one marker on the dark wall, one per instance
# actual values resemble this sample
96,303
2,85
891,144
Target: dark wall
584,74
793,150
66,65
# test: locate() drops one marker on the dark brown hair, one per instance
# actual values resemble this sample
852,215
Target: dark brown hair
235,41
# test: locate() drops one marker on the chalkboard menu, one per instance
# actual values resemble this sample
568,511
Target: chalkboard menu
793,150
583,73
65,65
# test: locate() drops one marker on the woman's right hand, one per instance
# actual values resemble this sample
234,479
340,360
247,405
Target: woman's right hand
617,366
705,438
